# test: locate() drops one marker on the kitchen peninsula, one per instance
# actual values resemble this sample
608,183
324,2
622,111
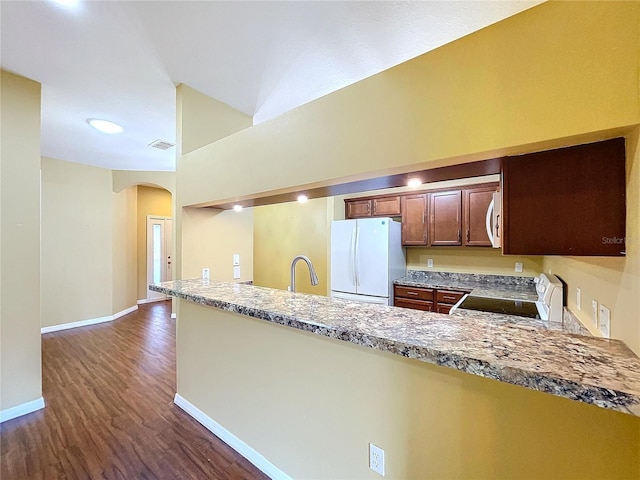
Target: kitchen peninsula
591,370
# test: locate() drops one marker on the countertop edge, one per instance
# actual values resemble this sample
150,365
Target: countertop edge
591,394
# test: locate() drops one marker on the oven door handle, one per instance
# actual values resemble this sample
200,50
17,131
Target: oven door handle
455,307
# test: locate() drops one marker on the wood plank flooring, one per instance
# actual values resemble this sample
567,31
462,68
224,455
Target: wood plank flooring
109,412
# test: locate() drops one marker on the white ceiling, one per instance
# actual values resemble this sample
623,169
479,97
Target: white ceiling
121,60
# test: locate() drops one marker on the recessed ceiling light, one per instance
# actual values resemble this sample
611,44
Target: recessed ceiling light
414,182
302,198
237,208
105,126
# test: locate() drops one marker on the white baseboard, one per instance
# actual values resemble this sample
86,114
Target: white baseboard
91,321
174,315
150,300
21,409
124,312
230,439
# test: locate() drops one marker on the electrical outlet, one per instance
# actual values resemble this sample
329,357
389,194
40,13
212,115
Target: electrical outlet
376,459
579,298
430,262
605,322
594,312
519,267
205,274
236,273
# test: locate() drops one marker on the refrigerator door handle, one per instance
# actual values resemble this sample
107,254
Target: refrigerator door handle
357,251
352,254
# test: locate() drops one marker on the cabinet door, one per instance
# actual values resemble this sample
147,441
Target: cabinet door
414,219
446,218
476,202
569,201
386,206
357,208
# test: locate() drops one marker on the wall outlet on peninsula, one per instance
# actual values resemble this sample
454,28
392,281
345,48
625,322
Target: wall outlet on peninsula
205,274
605,322
594,312
376,459
518,267
430,262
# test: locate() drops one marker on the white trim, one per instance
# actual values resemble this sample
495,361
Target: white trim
146,300
124,312
230,439
21,409
91,321
174,315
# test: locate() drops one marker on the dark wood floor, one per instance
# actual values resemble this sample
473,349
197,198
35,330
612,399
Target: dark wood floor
109,412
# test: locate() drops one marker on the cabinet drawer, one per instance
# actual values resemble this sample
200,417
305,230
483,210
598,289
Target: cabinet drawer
414,304
449,297
444,308
414,293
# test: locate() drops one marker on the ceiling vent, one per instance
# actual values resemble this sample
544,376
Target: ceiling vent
161,145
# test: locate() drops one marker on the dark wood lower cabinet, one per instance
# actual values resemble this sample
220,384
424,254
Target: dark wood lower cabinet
426,299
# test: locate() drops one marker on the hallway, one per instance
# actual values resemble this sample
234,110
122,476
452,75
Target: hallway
109,412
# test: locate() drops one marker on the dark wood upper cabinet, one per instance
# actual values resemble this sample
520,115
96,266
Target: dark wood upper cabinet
358,208
414,219
475,205
446,218
569,201
386,206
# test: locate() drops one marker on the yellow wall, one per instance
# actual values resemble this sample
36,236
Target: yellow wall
150,201
125,249
210,239
284,230
554,71
20,355
77,242
311,405
471,260
613,282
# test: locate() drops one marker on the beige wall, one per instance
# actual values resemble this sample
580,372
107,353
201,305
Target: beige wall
613,282
204,120
284,230
150,201
130,178
311,405
211,237
20,356
545,74
77,242
125,249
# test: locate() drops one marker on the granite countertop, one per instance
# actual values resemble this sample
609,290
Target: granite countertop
489,286
592,370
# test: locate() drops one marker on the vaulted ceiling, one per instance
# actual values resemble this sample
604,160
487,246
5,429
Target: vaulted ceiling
121,60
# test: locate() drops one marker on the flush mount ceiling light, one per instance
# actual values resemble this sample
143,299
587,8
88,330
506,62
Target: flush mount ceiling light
237,208
105,126
302,198
66,3
414,182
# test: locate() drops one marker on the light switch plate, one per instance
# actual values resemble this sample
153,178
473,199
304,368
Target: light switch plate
236,259
430,262
594,312
236,273
205,274
579,298
605,322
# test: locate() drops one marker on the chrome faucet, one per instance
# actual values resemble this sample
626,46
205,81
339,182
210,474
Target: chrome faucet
312,272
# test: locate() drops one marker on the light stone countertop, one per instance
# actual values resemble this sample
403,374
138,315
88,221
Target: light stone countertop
592,370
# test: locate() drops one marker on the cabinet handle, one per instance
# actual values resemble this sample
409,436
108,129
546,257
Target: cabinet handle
446,297
412,293
467,235
459,236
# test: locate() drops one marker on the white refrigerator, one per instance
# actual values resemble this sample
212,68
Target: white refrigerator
366,257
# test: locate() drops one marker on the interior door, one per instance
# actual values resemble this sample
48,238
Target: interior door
159,253
372,257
